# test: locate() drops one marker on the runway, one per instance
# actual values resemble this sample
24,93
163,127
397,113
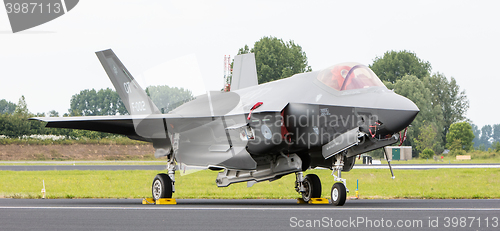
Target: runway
188,214
110,166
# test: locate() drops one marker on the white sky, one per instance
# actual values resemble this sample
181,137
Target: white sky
181,41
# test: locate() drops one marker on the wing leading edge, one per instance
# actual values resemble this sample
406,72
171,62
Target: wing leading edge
122,125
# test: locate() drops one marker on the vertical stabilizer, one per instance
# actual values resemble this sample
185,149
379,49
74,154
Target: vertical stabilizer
133,96
244,72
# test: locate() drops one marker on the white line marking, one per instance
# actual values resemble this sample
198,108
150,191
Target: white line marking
428,166
173,207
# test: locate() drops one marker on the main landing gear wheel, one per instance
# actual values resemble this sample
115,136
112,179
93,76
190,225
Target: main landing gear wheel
312,186
162,187
338,194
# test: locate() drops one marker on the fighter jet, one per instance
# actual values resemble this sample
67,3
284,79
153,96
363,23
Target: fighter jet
260,132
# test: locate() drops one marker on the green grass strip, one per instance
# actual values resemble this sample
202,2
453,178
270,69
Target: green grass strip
431,184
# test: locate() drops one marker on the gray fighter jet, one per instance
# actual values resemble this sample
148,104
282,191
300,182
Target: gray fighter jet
255,133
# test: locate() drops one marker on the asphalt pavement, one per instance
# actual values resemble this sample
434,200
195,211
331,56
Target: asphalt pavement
130,214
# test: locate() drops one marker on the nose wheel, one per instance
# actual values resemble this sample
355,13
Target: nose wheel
339,190
338,194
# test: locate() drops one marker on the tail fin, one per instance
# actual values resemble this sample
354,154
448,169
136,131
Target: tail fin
133,96
244,72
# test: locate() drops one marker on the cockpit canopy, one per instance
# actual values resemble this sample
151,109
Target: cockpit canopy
349,76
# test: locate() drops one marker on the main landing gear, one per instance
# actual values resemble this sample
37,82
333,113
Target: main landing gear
310,186
164,184
162,187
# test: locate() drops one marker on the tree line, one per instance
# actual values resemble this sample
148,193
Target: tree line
14,118
486,138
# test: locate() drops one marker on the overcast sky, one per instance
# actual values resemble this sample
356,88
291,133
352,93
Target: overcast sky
184,42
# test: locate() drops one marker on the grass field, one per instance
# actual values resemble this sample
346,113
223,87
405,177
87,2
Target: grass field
445,160
435,183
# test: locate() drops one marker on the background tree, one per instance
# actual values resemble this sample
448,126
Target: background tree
92,103
460,136
396,64
496,133
453,102
22,108
414,89
276,59
441,103
477,135
53,113
7,107
168,98
486,136
427,153
496,146
426,139
17,124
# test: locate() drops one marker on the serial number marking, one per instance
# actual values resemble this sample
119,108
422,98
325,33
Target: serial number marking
30,8
139,106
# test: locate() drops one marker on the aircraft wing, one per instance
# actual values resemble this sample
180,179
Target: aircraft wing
138,127
122,125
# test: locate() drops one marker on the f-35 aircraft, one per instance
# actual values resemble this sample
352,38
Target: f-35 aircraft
255,133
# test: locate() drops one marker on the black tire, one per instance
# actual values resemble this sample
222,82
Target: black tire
161,187
312,184
338,194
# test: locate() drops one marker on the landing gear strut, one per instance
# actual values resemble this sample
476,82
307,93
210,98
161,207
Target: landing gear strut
163,184
339,189
309,186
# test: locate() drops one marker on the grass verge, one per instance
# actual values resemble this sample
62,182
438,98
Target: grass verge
445,160
429,184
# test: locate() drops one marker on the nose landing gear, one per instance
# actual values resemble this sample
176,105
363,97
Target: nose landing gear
339,189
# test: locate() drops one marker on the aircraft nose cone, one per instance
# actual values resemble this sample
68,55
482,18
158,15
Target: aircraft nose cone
397,112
